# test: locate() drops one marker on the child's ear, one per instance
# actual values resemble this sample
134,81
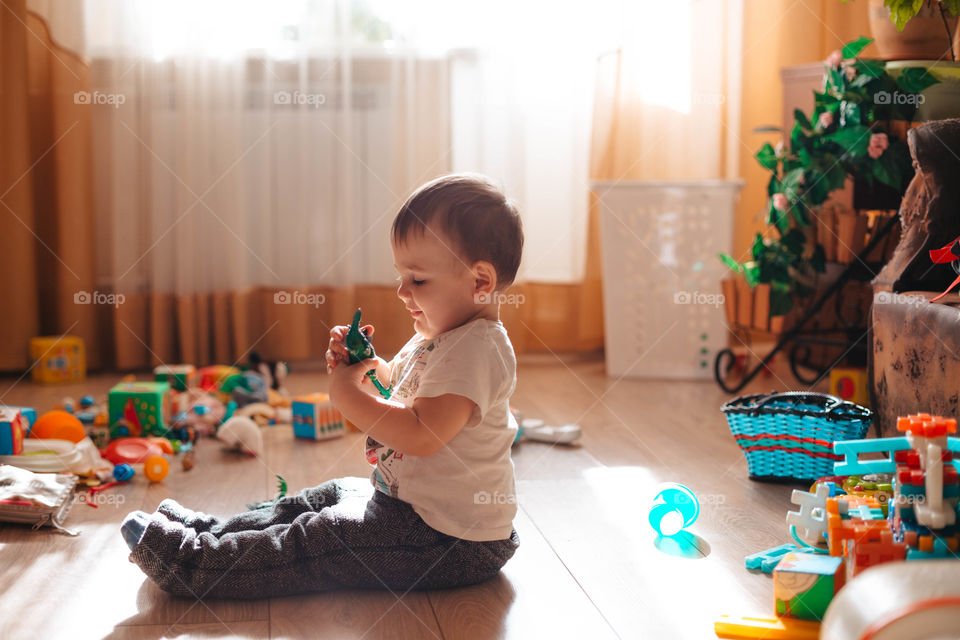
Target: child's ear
485,277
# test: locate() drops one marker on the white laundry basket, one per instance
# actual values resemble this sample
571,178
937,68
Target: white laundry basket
662,304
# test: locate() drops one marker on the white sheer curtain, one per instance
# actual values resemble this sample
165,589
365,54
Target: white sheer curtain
269,144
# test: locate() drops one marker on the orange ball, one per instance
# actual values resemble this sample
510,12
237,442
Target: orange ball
156,468
58,425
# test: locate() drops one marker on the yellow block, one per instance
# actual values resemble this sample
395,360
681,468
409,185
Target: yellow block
58,359
748,628
850,384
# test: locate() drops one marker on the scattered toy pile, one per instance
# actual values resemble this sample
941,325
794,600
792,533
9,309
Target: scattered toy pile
903,506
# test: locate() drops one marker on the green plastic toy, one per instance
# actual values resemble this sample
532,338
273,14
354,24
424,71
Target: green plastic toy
266,504
360,348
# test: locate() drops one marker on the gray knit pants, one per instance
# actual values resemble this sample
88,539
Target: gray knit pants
341,534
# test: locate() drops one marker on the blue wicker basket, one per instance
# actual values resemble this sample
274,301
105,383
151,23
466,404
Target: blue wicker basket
791,435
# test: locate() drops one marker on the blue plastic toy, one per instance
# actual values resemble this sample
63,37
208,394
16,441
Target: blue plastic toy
123,472
674,508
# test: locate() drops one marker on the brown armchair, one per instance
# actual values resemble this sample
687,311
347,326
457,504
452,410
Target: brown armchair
914,362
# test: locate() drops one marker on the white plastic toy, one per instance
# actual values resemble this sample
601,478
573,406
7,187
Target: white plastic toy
241,433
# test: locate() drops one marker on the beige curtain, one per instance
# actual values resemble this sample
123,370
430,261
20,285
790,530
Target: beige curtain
46,211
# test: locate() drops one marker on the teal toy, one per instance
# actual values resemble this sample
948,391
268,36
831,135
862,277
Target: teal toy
674,508
360,348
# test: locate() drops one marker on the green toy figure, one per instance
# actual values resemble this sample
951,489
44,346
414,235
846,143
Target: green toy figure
360,348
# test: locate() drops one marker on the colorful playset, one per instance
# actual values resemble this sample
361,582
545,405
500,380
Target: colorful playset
900,507
139,424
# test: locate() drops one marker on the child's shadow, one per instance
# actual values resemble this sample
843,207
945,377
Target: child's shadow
490,600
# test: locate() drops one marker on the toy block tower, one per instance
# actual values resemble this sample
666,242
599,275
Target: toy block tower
315,417
927,487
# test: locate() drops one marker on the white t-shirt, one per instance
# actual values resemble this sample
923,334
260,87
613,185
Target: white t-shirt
466,489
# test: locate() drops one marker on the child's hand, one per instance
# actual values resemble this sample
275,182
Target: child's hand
337,350
347,378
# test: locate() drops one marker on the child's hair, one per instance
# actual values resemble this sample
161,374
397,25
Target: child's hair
474,214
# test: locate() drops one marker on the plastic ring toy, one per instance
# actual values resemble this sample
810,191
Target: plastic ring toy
156,468
674,508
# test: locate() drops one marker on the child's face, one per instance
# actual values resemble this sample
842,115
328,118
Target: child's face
436,285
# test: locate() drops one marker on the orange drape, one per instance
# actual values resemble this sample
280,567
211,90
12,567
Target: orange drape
46,208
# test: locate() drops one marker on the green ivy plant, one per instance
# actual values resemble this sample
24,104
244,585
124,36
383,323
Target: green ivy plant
845,136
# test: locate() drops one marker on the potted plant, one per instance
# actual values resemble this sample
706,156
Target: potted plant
856,131
914,29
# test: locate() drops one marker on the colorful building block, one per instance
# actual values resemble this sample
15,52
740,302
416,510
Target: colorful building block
180,377
811,519
767,560
851,450
212,378
29,416
850,384
139,409
805,583
315,417
58,359
863,555
13,429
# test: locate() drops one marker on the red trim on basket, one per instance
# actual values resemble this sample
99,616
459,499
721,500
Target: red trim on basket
806,452
782,436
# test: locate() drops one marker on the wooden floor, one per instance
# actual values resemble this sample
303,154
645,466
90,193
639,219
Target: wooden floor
587,567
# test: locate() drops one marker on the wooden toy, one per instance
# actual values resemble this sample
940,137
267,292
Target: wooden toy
12,430
315,417
58,359
139,408
179,376
805,583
